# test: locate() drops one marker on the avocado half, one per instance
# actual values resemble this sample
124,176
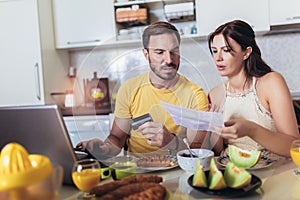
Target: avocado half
215,179
243,158
236,177
199,178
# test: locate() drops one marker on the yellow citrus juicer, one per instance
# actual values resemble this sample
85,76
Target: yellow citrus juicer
25,176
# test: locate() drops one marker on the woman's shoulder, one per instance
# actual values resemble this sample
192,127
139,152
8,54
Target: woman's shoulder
271,80
272,77
271,84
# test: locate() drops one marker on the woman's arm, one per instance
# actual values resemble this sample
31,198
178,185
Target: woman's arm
274,96
216,97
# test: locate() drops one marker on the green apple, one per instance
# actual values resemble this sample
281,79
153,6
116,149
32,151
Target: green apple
215,179
236,177
243,158
199,178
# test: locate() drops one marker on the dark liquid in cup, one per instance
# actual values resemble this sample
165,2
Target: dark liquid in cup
188,155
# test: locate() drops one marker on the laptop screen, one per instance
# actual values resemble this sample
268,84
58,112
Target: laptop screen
41,130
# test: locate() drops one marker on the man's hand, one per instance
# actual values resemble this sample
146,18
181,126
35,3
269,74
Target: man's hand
94,146
156,133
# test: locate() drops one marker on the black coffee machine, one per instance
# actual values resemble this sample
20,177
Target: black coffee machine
96,92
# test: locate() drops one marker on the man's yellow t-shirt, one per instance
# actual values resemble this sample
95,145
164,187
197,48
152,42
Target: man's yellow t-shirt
137,96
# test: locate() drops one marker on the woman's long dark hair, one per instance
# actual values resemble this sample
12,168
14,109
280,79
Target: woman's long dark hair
243,34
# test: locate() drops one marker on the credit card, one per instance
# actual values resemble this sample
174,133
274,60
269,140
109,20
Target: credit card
136,122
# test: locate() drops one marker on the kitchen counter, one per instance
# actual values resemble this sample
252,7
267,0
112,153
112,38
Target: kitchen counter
84,110
278,182
295,95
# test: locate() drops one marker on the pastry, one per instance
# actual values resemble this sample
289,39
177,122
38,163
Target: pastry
135,191
112,186
155,161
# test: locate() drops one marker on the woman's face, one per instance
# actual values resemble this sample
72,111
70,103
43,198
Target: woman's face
228,59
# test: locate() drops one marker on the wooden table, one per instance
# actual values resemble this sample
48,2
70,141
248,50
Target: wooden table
278,182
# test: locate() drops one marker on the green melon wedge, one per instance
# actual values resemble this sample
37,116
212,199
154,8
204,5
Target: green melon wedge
199,178
243,158
215,179
236,177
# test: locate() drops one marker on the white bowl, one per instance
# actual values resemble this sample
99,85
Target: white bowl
189,164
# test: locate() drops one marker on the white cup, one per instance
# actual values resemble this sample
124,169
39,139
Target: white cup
69,100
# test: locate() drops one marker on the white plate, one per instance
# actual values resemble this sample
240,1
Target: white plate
145,169
158,168
262,163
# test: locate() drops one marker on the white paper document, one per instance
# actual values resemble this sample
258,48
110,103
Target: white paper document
194,119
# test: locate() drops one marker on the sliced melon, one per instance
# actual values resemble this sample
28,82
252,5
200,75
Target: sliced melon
215,179
199,178
243,158
236,177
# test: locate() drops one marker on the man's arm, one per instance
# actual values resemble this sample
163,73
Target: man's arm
113,143
117,138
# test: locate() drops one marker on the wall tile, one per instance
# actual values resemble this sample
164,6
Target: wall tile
280,51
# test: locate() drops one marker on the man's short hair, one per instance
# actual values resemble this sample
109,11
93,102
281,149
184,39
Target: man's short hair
158,28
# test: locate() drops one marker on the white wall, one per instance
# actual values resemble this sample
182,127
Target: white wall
119,63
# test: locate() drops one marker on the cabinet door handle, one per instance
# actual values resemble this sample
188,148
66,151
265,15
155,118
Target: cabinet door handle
292,18
37,81
80,42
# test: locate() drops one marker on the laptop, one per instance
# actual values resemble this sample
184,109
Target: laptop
41,130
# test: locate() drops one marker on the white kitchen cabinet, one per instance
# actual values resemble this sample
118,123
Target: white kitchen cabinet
20,63
212,13
27,54
284,12
133,16
83,23
86,127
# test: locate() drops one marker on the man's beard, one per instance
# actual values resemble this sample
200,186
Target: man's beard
157,73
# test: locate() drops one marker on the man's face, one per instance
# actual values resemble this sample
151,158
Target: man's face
163,55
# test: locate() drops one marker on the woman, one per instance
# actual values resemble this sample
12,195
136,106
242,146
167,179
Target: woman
255,100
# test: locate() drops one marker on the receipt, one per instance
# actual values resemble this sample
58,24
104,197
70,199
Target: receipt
194,119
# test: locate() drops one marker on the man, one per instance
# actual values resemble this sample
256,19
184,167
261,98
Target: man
144,93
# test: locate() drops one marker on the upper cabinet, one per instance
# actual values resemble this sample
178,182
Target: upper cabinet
88,23
83,23
20,64
284,12
212,13
30,67
132,16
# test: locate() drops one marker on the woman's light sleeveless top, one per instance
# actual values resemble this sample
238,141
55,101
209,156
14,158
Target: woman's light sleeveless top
248,106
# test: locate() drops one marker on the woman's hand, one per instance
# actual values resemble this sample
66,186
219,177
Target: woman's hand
236,128
212,108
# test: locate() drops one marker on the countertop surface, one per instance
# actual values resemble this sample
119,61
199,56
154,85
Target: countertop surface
295,95
85,110
278,182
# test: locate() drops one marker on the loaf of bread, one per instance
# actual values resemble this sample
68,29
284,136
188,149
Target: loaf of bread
112,186
135,191
156,192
